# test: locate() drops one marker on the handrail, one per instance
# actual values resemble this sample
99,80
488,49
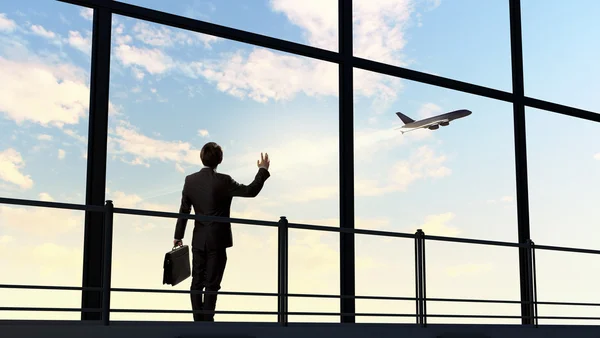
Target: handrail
202,218
47,204
291,295
283,295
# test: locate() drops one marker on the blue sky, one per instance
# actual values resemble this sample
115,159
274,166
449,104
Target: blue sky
171,91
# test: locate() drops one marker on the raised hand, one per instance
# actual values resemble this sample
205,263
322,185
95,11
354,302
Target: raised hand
264,161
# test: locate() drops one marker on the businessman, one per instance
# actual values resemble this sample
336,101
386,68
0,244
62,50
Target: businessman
210,193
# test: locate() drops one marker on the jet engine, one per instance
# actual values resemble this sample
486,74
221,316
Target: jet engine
434,127
443,124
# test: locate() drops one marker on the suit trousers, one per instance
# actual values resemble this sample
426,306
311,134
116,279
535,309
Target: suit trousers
208,267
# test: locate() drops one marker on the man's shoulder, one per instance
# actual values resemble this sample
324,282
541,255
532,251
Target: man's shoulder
223,176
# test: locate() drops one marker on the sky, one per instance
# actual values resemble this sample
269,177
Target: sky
171,91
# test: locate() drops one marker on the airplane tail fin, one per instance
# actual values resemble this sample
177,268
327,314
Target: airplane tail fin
404,118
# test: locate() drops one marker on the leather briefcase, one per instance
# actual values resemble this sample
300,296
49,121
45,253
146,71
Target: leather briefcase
176,265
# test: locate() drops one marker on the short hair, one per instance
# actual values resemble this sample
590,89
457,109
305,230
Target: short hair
211,154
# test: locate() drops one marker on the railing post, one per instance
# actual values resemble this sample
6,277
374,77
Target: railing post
417,278
420,276
282,304
423,279
108,234
533,282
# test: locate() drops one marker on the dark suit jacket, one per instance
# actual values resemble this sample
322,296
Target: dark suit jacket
210,193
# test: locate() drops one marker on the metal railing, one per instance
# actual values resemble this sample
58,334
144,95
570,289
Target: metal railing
283,295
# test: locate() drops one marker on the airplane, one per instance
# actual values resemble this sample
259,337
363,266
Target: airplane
432,123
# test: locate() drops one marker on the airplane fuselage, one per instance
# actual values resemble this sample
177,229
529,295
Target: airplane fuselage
443,118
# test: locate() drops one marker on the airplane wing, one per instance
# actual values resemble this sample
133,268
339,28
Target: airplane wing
427,125
433,123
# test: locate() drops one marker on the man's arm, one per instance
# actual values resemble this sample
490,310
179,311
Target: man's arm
185,208
250,190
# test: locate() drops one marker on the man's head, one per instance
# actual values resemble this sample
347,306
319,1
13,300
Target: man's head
211,155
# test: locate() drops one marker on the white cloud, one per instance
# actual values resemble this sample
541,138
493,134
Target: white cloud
437,225
11,164
179,168
6,239
77,41
597,156
41,31
379,34
422,164
125,140
378,25
87,13
161,36
6,24
154,61
44,196
44,137
433,4
289,167
64,100
73,134
203,133
318,18
61,154
264,75
43,222
429,110
123,200
153,90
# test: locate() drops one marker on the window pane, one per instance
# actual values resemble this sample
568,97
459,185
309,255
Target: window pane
249,100
560,63
563,172
467,40
312,22
45,64
470,271
456,181
41,246
563,176
567,277
44,99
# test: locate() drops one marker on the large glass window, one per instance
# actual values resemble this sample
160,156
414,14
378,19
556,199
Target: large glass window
456,181
467,40
560,63
44,99
249,100
563,163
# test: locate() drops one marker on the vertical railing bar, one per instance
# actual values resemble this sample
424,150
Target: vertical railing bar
286,271
535,304
282,282
420,270
417,279
279,274
531,281
106,282
424,273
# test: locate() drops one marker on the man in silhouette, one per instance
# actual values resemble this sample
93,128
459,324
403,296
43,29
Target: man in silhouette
210,193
